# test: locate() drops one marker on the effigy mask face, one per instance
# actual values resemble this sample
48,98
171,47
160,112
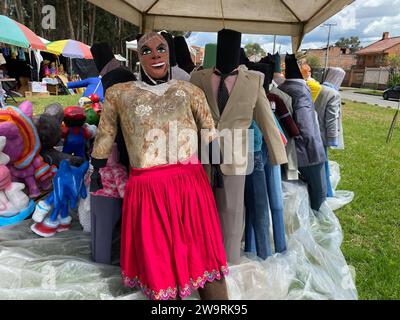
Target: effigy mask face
154,58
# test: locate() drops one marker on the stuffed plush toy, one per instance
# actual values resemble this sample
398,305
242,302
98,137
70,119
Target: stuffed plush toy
15,205
49,130
23,147
93,86
92,109
75,134
69,187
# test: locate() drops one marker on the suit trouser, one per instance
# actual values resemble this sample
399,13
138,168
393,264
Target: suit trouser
316,180
105,214
230,205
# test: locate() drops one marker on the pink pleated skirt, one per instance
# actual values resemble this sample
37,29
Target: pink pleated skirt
171,241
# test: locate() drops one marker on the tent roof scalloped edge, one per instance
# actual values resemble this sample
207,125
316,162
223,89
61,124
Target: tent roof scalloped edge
276,17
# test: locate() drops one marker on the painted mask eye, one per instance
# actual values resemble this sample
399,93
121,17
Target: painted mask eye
161,49
146,51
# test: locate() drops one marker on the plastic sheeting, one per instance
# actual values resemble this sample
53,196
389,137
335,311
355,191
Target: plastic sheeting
313,267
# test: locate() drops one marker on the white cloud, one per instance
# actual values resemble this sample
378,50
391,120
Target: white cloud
367,19
383,24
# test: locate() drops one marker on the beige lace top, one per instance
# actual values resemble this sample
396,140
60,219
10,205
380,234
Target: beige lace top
160,124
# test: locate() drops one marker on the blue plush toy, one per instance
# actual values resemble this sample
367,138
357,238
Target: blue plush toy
68,186
93,86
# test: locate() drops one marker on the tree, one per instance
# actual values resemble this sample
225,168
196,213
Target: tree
70,23
314,62
352,43
252,49
393,64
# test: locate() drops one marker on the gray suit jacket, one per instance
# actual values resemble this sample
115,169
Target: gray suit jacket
327,106
247,101
310,149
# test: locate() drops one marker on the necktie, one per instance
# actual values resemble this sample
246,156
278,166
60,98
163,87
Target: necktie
223,93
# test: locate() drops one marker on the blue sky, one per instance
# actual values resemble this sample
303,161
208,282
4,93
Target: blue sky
366,19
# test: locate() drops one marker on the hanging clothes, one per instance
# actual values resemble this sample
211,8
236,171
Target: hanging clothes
291,168
328,107
21,54
310,150
263,192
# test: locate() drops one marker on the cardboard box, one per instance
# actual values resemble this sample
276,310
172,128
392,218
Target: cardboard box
37,86
30,94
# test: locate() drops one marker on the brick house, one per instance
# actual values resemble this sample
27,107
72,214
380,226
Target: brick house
199,56
375,55
337,57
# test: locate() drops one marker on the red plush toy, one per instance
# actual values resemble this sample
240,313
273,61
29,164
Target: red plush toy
75,135
95,103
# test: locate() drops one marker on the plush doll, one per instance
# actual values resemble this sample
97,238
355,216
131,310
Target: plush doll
69,187
74,132
49,130
15,205
93,86
23,147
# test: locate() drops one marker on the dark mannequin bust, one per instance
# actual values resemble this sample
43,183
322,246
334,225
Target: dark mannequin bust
292,70
183,57
171,45
102,54
228,50
267,70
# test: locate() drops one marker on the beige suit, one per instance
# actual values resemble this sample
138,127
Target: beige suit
247,101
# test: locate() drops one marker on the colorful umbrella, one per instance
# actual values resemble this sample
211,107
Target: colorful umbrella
70,49
14,33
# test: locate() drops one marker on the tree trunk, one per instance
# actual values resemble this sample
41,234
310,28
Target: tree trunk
19,11
93,25
4,8
68,14
119,34
39,6
82,22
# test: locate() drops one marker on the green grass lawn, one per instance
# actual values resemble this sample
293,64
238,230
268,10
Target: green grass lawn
371,223
377,93
40,103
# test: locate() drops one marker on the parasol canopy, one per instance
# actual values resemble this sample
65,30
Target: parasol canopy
70,49
14,33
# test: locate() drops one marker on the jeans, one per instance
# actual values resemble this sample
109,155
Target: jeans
329,192
263,190
275,196
316,179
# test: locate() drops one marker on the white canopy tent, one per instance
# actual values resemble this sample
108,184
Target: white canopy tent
292,18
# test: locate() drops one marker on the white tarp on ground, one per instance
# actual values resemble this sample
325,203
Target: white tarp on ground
312,268
292,18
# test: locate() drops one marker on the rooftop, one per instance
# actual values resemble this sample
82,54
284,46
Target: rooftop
380,46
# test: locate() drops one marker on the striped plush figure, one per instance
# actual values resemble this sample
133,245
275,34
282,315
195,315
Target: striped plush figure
23,147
